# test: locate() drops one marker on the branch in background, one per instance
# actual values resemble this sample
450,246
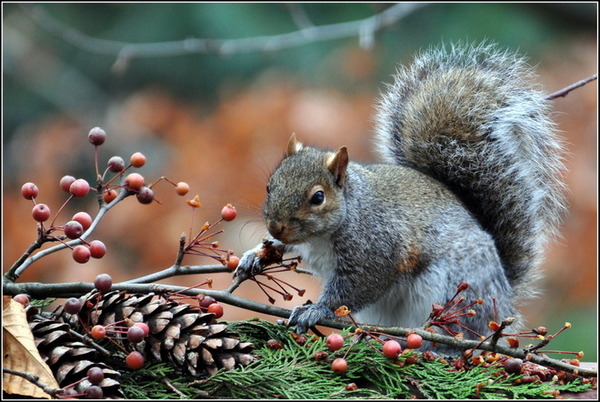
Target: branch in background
364,29
565,91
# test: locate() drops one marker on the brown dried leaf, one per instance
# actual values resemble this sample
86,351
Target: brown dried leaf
20,354
342,311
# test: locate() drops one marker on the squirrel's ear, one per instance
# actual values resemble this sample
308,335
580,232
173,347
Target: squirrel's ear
293,145
337,165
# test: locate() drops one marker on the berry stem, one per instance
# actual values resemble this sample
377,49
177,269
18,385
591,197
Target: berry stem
60,210
98,177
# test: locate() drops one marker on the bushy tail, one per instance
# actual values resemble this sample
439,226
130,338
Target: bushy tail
470,117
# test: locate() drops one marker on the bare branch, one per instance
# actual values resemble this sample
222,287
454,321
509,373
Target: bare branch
175,270
124,51
35,380
68,289
563,92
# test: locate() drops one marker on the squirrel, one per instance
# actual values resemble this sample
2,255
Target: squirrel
469,190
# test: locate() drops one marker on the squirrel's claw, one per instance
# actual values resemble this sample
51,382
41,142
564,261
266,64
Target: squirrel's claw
250,264
304,317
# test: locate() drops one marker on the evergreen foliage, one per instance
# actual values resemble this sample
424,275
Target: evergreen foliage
292,372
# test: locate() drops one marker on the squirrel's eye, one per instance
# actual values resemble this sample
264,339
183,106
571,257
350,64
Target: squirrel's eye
318,198
268,189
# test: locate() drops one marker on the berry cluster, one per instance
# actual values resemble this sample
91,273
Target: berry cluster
79,225
206,304
134,332
73,229
133,183
95,376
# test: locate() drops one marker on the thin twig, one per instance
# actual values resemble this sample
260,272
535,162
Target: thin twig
175,270
35,380
173,388
563,92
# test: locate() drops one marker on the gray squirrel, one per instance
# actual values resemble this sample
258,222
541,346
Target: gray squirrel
469,190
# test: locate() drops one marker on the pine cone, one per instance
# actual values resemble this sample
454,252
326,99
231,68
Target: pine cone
179,333
70,359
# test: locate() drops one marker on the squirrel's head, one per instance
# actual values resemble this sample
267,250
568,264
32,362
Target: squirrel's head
305,193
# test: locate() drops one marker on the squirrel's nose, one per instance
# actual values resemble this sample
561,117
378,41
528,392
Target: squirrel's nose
275,228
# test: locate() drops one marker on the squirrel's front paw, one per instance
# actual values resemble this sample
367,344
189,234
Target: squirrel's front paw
304,317
250,264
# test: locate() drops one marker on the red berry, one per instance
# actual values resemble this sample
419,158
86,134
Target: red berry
65,183
335,342
97,136
300,339
513,366
232,262
228,212
81,254
98,332
135,334
97,249
103,282
414,341
143,326
137,160
79,188
339,365
274,344
40,212
84,218
182,188
391,349
116,164
351,387
134,360
411,359
29,190
321,356
109,196
22,298
207,301
95,375
73,229
72,305
145,195
94,392
134,181
216,309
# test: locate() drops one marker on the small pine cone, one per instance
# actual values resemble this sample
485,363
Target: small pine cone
179,333
70,359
